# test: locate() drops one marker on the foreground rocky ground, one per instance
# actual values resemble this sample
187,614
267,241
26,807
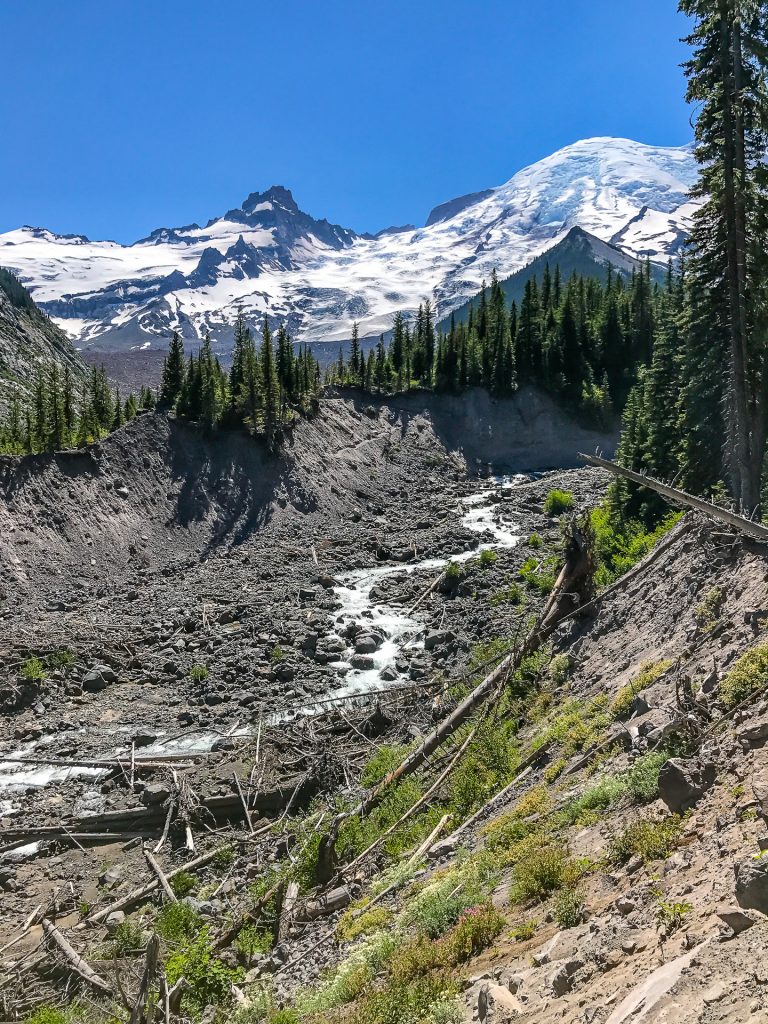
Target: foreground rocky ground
179,620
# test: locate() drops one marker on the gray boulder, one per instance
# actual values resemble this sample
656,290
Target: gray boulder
98,678
683,780
752,884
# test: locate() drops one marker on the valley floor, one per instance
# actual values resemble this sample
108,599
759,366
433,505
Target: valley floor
178,618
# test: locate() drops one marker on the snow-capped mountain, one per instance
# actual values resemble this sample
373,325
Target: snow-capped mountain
317,277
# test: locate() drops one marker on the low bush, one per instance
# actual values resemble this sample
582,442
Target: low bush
209,980
642,779
535,541
127,938
569,908
648,840
177,922
524,930
352,976
49,1015
33,670
749,673
707,613
559,669
557,502
198,672
620,544
475,931
252,940
353,924
182,884
539,574
487,558
542,870
509,595
441,903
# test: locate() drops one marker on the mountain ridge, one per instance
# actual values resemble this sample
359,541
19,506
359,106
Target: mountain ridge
270,257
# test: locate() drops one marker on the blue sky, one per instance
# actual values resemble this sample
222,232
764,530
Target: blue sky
119,116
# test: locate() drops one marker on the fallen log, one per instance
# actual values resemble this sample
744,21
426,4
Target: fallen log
285,917
328,903
164,883
76,962
721,515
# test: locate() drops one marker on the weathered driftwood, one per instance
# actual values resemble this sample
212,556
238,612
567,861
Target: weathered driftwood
178,760
722,515
287,907
164,883
142,1011
328,903
79,966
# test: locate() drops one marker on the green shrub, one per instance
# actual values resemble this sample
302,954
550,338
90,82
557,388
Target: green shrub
489,761
538,574
535,541
621,543
487,558
569,907
127,938
440,904
642,779
708,612
177,922
61,659
277,654
33,670
252,940
559,669
182,884
524,930
648,840
209,980
48,1015
509,595
352,976
599,797
541,870
554,769
198,672
648,674
749,673
385,759
225,857
670,913
453,572
475,931
557,502
353,924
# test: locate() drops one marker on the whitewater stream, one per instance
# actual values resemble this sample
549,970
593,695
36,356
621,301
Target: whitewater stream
359,612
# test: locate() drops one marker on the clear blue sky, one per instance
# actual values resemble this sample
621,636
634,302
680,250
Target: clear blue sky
119,116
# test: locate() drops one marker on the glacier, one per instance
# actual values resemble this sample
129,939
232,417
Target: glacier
268,256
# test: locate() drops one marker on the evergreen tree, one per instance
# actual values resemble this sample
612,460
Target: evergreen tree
173,372
729,238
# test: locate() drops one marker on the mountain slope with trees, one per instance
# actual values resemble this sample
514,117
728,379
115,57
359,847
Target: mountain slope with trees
28,340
